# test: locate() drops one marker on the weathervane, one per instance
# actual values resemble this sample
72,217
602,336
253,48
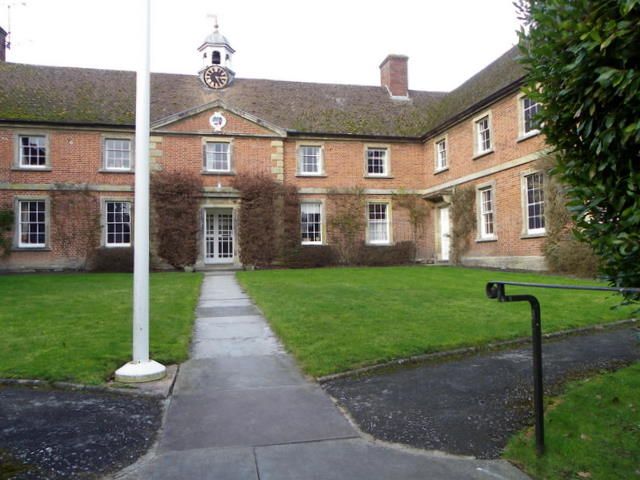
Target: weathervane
215,20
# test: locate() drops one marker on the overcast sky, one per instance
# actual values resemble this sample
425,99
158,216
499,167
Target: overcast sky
334,41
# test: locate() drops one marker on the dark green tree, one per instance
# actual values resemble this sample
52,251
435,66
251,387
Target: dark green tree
583,63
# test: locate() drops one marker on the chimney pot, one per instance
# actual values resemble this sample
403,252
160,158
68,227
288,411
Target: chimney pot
394,76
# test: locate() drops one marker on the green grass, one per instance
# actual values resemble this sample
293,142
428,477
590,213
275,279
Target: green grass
77,327
341,318
593,431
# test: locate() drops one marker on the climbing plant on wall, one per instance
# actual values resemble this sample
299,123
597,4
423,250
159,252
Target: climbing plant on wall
463,219
175,198
6,227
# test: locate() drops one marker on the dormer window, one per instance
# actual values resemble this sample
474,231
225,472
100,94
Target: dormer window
215,58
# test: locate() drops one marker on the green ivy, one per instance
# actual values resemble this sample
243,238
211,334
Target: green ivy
583,58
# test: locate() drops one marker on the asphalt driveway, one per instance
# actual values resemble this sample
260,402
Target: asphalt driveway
55,434
473,405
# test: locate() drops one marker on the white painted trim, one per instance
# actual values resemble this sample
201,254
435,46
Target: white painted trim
219,104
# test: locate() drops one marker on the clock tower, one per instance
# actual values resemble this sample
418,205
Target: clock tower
216,59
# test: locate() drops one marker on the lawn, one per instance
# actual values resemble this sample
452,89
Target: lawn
593,431
77,327
342,318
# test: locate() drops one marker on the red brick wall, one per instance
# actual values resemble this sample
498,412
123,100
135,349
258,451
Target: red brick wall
76,157
344,163
508,194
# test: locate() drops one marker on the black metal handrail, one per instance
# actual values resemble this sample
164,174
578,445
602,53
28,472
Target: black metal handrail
496,290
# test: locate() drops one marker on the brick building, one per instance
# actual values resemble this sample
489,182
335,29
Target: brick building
68,133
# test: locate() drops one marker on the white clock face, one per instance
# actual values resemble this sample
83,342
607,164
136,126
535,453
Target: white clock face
216,77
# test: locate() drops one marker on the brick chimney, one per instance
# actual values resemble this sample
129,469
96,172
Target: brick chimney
3,45
393,75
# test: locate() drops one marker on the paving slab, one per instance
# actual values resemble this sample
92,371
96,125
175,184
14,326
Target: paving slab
231,320
236,347
207,376
234,302
227,311
361,460
200,464
215,331
262,416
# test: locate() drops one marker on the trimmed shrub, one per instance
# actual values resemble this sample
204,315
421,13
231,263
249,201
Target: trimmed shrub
113,260
6,227
175,198
269,223
310,256
379,256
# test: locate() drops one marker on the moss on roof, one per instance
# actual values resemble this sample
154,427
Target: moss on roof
501,73
107,97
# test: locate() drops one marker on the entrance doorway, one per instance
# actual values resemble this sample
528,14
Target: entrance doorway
218,237
445,237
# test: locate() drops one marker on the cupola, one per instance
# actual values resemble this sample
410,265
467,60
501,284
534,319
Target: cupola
216,49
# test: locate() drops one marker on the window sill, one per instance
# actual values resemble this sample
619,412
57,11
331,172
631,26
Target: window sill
312,244
369,244
482,154
120,245
223,174
385,177
106,170
486,240
440,170
525,236
527,136
31,249
311,175
31,169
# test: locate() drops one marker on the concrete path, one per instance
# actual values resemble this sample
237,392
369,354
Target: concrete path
242,410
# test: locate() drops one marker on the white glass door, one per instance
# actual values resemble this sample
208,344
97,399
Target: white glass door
445,237
218,244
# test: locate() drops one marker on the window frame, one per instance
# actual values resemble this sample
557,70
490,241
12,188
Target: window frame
438,167
208,141
482,234
18,151
18,244
300,159
120,138
527,231
386,164
477,152
388,230
522,133
321,223
105,221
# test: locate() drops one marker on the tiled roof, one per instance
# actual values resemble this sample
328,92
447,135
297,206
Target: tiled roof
66,95
501,73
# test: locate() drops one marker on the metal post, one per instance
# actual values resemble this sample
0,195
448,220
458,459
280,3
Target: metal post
496,290
141,369
538,392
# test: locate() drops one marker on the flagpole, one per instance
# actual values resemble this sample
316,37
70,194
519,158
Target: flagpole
141,368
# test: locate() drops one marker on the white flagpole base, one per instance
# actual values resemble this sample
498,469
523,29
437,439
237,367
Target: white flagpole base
139,372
